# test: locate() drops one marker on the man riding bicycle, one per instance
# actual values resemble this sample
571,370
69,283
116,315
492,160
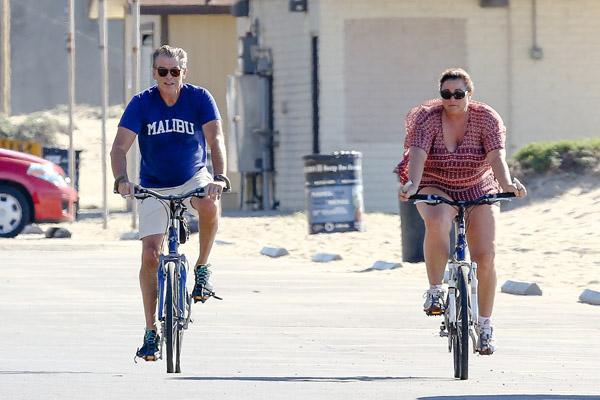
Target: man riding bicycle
174,122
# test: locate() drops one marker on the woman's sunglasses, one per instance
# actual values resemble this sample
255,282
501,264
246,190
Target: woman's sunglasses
162,72
447,94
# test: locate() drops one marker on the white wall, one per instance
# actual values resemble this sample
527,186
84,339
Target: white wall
548,99
485,61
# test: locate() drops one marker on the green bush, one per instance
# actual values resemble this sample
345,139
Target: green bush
565,155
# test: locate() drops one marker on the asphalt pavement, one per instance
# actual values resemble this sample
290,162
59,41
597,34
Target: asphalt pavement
72,320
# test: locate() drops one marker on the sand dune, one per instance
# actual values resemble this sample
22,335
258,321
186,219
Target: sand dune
552,237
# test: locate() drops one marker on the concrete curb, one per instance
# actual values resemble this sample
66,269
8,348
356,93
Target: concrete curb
325,257
521,288
589,296
274,251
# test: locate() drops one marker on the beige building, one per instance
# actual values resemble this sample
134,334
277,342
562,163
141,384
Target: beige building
536,63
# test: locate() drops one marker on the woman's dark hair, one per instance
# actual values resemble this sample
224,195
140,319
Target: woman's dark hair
457,73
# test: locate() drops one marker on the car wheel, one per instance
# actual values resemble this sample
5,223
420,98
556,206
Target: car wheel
15,212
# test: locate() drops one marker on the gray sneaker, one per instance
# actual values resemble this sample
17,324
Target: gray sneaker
434,302
486,344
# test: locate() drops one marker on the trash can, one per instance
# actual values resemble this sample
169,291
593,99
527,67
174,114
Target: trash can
413,232
61,157
334,193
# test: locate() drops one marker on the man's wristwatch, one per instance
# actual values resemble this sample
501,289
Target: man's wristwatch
223,178
118,180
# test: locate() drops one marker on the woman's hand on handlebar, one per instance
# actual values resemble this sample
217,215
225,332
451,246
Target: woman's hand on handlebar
517,188
407,190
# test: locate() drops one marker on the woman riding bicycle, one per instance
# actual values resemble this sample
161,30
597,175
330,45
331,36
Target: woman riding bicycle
455,148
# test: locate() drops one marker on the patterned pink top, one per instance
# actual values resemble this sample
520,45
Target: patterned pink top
463,174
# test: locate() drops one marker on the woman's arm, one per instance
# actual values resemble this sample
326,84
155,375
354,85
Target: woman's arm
416,163
497,159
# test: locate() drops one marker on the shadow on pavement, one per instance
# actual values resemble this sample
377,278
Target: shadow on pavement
515,397
42,372
307,378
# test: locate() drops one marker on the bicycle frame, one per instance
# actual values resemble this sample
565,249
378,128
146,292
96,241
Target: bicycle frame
174,304
176,210
462,284
458,258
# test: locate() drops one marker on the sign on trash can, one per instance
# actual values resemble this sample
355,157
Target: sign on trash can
334,193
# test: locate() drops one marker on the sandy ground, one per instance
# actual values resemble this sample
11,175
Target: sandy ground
552,238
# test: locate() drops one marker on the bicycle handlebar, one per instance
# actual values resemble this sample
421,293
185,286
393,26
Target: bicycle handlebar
142,193
433,199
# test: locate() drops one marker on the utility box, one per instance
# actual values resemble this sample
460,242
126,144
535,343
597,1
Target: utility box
248,111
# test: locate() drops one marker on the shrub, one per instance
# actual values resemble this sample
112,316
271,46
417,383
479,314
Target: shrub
6,127
565,155
40,127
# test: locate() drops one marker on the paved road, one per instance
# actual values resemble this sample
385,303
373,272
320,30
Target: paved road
71,322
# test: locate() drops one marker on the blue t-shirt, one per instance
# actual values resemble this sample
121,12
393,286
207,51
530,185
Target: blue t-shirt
172,144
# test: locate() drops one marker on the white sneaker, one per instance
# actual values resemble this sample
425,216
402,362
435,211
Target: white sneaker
434,302
486,344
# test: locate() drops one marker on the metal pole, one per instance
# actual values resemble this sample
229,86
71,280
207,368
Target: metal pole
104,68
71,77
5,58
135,8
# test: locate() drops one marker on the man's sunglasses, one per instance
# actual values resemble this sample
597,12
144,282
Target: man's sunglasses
458,94
162,72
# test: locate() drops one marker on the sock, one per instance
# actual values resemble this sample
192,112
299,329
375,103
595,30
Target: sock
485,321
435,287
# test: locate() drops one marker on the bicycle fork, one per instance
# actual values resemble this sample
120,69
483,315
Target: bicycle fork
161,277
449,323
450,318
474,304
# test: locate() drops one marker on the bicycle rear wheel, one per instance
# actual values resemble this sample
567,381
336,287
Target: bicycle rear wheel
169,316
461,355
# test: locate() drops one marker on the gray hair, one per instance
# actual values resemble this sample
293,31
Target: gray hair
170,52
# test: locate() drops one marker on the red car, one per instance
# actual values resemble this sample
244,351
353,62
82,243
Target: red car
32,190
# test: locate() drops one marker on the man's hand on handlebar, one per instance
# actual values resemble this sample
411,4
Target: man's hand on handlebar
407,190
214,189
125,188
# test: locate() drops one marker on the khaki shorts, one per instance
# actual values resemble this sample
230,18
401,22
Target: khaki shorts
153,213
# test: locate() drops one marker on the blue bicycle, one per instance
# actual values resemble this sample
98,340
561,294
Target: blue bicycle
174,302
461,308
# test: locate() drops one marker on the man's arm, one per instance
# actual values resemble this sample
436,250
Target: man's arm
118,155
215,139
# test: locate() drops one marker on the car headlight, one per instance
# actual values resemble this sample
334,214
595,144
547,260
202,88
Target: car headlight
47,173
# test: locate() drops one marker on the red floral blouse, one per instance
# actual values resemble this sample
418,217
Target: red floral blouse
463,174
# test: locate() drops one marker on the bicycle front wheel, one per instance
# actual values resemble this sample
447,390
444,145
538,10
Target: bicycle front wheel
461,355
182,302
170,305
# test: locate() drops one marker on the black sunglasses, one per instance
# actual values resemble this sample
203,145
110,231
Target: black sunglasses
458,94
162,72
